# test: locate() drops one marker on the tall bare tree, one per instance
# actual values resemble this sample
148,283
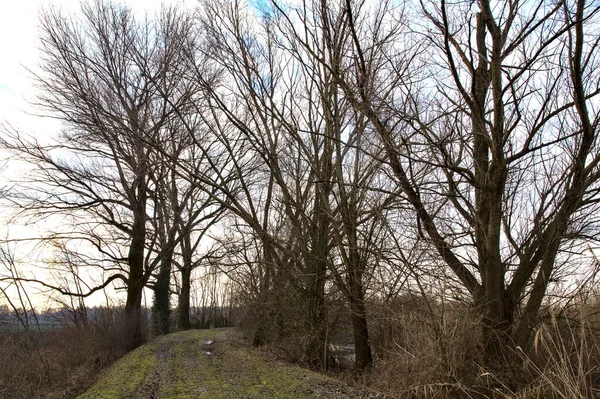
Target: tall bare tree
106,74
486,117
287,111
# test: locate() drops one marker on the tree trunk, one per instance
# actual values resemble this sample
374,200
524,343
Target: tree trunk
316,349
498,346
356,291
136,280
360,329
497,324
183,310
161,309
133,309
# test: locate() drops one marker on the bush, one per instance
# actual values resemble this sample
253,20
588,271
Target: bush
59,362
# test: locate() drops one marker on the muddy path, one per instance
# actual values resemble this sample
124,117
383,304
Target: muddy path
212,364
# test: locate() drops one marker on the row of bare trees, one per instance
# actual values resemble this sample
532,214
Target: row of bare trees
115,81
328,146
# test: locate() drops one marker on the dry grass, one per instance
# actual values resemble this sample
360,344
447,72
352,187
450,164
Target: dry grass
424,350
433,346
58,363
565,361
429,350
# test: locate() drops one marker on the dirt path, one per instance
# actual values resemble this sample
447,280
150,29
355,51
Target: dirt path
212,364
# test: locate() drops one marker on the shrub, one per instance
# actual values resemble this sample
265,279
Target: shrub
59,362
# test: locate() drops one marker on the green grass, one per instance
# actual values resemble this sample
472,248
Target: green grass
177,366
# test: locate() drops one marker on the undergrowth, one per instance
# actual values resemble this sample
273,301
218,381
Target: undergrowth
426,352
60,362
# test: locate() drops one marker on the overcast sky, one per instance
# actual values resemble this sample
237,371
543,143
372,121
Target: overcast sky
18,43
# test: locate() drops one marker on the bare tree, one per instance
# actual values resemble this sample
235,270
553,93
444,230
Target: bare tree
14,292
277,109
186,215
106,75
486,117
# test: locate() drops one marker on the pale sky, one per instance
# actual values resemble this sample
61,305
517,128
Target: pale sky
18,31
18,53
18,21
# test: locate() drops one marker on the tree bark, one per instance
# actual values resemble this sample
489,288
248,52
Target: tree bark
136,280
317,350
183,308
161,309
360,328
